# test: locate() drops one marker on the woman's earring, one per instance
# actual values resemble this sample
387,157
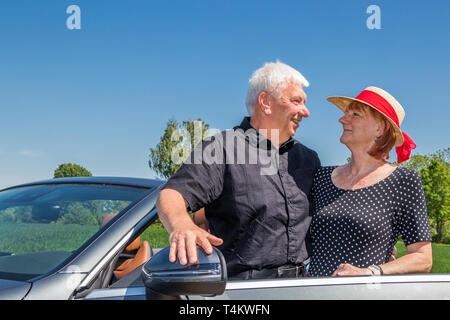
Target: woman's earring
376,139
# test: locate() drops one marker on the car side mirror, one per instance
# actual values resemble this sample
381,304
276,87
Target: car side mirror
166,280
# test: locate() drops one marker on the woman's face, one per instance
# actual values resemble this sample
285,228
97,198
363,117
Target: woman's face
360,127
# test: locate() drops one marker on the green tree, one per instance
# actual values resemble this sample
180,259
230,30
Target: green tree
418,162
76,213
177,142
436,184
434,172
71,170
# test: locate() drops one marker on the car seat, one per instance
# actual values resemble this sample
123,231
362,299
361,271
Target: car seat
134,255
141,257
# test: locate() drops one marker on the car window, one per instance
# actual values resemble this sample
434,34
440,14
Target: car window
156,235
41,226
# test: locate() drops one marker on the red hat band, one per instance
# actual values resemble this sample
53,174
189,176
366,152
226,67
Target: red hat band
379,103
382,105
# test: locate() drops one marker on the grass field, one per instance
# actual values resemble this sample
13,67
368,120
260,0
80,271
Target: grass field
36,237
441,256
156,235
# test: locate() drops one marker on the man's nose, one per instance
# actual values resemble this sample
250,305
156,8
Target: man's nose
304,112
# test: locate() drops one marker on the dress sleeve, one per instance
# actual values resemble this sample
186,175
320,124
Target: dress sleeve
413,222
200,178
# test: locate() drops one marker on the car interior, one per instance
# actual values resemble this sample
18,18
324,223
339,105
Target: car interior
133,256
123,270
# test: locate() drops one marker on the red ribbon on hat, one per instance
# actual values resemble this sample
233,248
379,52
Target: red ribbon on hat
382,105
404,151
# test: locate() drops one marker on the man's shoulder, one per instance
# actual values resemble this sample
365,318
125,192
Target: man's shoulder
304,149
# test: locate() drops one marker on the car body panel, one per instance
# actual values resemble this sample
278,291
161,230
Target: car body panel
133,293
13,290
390,287
119,181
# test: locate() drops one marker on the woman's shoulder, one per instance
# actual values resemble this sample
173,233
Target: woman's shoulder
405,173
323,172
408,176
325,169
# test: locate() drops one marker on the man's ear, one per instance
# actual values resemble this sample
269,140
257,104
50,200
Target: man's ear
265,102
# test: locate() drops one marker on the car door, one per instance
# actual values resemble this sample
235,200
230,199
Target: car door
410,287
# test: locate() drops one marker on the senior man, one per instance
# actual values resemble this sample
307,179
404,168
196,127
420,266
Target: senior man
258,217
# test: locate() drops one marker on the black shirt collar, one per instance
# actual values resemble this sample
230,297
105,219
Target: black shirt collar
261,140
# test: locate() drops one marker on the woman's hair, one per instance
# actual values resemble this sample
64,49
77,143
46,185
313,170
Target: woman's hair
272,77
384,143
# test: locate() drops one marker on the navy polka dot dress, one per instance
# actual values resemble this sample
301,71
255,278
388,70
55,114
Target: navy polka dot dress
362,226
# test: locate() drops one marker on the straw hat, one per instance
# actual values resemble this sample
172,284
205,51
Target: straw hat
389,107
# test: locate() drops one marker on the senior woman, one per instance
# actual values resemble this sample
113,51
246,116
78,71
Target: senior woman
361,208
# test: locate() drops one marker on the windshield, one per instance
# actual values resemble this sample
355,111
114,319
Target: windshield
40,226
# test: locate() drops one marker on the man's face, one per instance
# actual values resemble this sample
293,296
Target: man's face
289,110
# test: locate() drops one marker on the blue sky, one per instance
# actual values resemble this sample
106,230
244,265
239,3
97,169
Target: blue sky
101,96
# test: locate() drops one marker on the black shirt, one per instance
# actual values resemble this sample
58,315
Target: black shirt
259,208
361,226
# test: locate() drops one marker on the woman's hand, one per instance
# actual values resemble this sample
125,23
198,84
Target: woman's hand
393,254
346,269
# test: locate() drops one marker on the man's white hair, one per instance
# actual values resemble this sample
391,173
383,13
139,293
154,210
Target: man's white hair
272,77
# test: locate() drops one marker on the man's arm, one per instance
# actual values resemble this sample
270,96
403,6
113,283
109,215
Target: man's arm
184,234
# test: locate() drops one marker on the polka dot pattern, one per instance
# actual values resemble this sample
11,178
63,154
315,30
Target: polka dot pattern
362,226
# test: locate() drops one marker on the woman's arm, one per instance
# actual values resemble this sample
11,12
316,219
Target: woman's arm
418,260
200,219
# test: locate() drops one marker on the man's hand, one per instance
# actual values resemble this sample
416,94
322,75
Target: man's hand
184,241
184,234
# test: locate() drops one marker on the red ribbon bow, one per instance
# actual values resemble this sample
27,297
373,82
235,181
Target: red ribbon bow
404,151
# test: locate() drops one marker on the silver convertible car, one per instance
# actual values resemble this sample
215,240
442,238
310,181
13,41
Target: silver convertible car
80,238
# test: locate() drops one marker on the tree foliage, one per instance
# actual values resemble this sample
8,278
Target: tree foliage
177,141
76,213
434,171
436,184
71,170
